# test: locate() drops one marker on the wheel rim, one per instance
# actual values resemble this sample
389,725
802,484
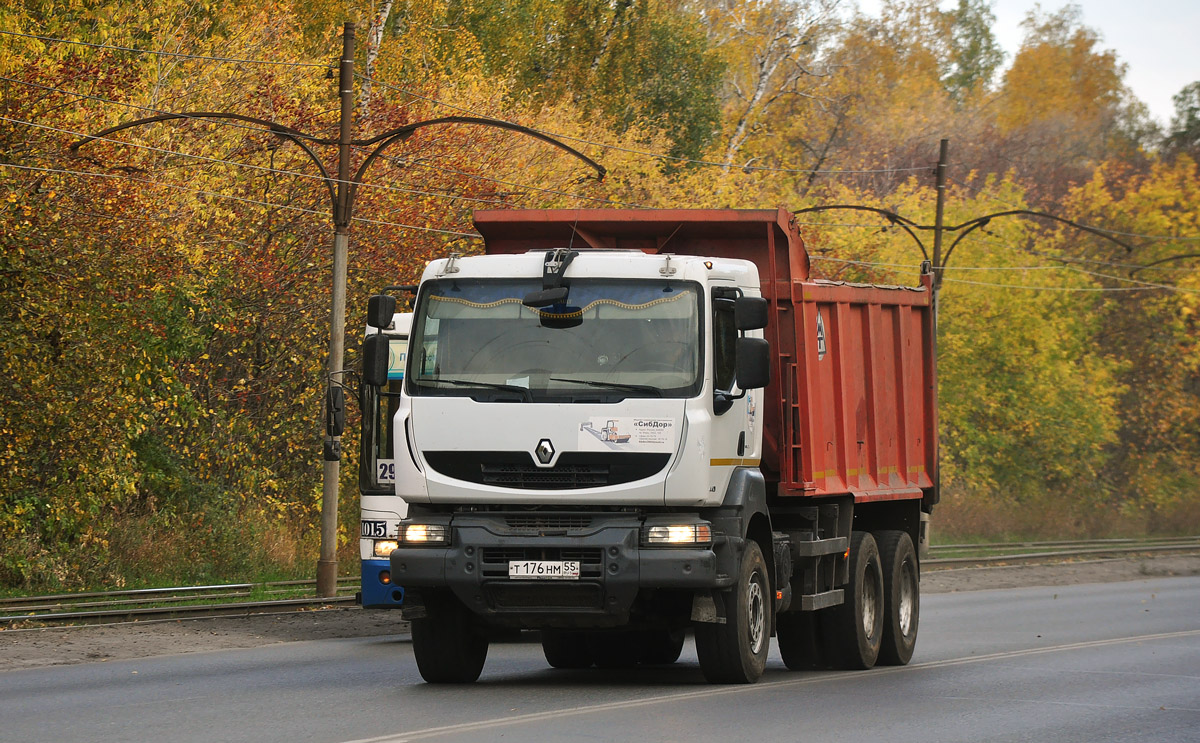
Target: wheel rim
870,597
907,604
756,614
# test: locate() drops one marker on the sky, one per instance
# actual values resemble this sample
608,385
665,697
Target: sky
1156,39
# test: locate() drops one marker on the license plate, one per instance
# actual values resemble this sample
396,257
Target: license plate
544,569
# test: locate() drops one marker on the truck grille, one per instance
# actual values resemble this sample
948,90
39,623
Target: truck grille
574,470
535,522
533,478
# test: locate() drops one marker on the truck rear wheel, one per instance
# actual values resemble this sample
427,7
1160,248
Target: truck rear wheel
736,652
798,638
856,626
566,649
448,647
901,597
662,647
615,649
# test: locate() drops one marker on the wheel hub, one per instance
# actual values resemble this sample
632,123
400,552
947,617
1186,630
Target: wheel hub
756,616
870,598
906,604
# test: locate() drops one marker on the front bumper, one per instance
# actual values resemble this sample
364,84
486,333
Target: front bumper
376,594
614,568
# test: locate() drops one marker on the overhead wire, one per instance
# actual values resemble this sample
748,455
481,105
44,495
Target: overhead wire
1141,285
244,127
948,268
236,163
550,191
1080,289
438,102
1085,261
992,196
411,93
656,155
179,55
217,195
1042,254
227,123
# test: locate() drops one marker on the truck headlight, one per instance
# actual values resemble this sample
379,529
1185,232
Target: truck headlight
423,534
384,547
676,534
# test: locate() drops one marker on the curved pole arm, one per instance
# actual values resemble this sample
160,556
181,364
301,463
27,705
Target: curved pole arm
975,225
1169,259
905,224
403,131
389,138
286,132
982,221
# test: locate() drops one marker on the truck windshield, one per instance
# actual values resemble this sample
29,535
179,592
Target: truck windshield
611,339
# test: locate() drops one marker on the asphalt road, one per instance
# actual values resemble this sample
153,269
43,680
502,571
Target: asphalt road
1100,662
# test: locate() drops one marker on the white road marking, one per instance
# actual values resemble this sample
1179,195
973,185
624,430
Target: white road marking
718,691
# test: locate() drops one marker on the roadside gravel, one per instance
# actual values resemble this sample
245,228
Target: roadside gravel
32,648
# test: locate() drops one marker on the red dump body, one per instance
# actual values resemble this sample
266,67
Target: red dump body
852,404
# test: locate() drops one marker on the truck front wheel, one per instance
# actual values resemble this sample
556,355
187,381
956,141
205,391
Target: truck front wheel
448,647
736,652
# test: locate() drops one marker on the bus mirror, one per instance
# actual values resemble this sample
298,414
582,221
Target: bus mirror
546,297
753,363
750,313
376,354
381,308
335,411
560,317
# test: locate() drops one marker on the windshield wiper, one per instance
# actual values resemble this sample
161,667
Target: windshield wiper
613,385
525,394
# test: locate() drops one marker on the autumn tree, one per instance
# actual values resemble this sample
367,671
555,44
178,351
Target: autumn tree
1063,104
1184,134
1151,325
165,291
627,62
975,55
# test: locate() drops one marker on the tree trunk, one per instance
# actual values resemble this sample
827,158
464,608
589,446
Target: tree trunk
374,40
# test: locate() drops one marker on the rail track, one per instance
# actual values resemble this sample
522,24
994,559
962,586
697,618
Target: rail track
144,604
240,599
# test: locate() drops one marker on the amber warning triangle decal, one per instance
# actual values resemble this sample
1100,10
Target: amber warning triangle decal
820,337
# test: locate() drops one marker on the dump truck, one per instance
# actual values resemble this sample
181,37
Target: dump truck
777,477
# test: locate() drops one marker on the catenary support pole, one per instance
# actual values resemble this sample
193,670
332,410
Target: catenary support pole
935,299
327,564
938,223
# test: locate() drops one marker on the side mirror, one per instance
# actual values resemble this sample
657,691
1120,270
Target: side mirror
750,313
335,411
381,308
376,353
753,363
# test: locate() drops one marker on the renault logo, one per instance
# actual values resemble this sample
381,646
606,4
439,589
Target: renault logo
544,451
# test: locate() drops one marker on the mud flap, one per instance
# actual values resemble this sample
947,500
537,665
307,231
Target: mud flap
708,608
